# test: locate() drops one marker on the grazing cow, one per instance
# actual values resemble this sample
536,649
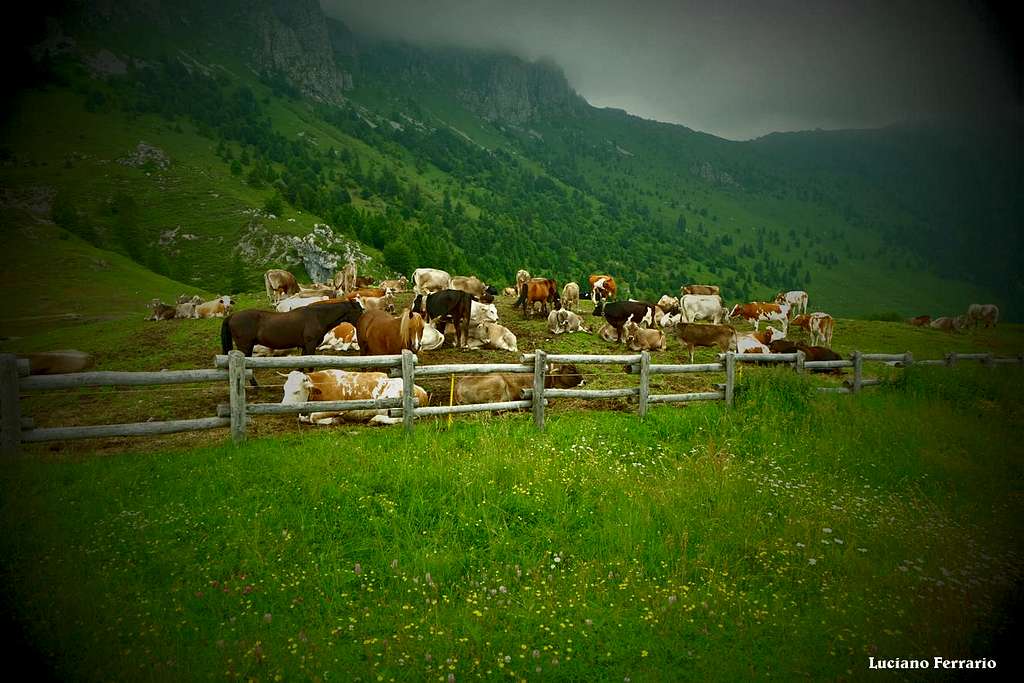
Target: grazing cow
450,306
217,308
668,304
509,291
503,387
699,289
522,277
608,333
539,289
822,325
187,308
378,303
920,321
983,313
382,334
562,321
339,385
345,279
162,311
696,307
279,284
473,285
492,336
429,280
758,311
946,324
399,285
618,313
796,299
57,362
602,288
640,339
342,337
432,339
802,321
571,296
293,302
692,335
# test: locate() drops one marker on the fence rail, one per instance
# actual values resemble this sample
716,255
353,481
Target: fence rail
235,368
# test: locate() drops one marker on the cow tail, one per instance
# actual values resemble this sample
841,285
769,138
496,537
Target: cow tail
225,336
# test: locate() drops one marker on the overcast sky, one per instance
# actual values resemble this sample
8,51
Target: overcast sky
739,69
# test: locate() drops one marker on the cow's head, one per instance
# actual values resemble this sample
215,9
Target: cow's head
735,311
489,312
564,376
299,388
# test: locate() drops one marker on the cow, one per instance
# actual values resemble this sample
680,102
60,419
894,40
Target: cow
562,321
398,285
293,302
279,284
482,313
640,339
58,362
261,351
503,387
509,291
802,321
339,385
920,321
796,299
217,308
986,313
944,323
345,279
608,333
432,339
602,288
449,305
473,285
822,326
522,277
341,338
365,292
187,308
748,343
363,281
317,290
816,353
618,313
758,311
429,280
692,335
667,304
377,303
539,289
669,320
706,290
162,311
492,336
696,307
571,296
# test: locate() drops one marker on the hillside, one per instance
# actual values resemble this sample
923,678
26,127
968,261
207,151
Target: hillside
211,149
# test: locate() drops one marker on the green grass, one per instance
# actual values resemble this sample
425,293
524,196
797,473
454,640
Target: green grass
793,535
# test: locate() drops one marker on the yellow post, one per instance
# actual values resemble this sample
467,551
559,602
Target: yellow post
451,399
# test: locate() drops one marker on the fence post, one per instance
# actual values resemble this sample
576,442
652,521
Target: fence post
408,390
236,393
951,359
645,380
989,361
908,359
800,358
730,376
858,370
539,368
10,408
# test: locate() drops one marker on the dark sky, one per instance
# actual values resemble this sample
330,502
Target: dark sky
745,68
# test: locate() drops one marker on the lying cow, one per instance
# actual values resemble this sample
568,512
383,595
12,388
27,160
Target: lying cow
509,291
57,362
293,302
261,351
399,285
378,303
162,311
217,308
692,335
640,339
187,309
502,387
667,304
341,338
563,321
431,339
339,385
920,321
608,333
492,336
948,324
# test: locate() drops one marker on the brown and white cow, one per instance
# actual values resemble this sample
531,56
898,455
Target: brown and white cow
758,311
667,304
602,289
797,300
341,338
693,335
339,385
217,308
279,284
161,311
503,387
822,326
947,324
641,339
428,280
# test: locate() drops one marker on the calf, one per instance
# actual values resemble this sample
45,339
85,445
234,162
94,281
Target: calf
640,339
608,333
341,338
162,311
492,336
562,321
503,387
946,324
339,385
693,335
618,313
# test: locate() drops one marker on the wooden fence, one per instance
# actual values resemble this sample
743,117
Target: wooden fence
236,369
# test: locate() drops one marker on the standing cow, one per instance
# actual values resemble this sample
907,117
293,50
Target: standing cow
279,284
571,296
796,299
429,280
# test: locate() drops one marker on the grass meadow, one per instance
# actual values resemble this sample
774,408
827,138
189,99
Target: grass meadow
792,536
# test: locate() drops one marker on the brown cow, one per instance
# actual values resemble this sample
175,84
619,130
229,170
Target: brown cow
279,284
162,311
698,334
502,387
640,339
698,289
544,290
920,321
57,362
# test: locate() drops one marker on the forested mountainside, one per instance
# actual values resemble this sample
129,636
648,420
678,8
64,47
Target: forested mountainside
209,141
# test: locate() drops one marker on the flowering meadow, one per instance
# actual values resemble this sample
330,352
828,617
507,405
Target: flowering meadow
794,535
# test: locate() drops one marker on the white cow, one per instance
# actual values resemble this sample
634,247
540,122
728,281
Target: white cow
492,336
432,338
293,302
427,280
571,296
562,321
702,307
482,313
797,300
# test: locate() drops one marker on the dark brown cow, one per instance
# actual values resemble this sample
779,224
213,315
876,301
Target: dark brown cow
450,306
544,290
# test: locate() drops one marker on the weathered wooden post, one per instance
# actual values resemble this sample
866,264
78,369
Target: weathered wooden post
858,371
908,359
951,359
645,380
236,392
989,361
408,386
10,407
801,357
539,368
730,376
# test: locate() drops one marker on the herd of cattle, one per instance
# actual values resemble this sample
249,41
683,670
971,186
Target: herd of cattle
353,313
977,314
